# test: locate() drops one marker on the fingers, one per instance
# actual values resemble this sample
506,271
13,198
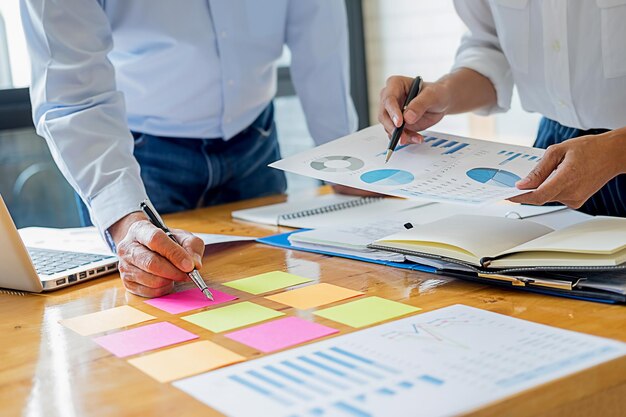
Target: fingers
157,241
548,191
142,283
550,160
391,100
144,291
192,244
134,253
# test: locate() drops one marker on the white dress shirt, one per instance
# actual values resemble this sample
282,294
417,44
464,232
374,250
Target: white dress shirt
178,68
567,58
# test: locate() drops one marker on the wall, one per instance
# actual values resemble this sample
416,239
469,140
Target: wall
420,37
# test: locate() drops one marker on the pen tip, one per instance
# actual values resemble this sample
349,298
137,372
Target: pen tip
389,152
208,294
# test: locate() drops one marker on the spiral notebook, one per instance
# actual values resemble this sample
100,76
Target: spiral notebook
325,211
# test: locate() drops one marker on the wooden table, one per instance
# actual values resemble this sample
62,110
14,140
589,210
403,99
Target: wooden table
47,370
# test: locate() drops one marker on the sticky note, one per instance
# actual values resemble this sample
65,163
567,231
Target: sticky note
233,316
370,310
267,282
192,299
313,296
144,338
105,320
280,334
182,361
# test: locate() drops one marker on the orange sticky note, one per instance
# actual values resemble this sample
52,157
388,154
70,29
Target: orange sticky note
313,296
105,320
180,362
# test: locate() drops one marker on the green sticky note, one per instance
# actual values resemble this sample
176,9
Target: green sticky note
232,316
366,311
269,281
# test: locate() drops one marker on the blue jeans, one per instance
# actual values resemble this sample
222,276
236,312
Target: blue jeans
184,174
610,200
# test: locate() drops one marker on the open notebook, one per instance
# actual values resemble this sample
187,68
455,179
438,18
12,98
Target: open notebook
325,211
493,244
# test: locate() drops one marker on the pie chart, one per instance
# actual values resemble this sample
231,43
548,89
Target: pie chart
492,176
391,177
337,163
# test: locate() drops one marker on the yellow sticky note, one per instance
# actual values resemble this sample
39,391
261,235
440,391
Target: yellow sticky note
180,362
313,296
269,281
105,320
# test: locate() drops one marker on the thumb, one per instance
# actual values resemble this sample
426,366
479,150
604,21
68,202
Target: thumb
548,163
430,100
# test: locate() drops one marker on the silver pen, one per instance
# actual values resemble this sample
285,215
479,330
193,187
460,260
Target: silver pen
155,219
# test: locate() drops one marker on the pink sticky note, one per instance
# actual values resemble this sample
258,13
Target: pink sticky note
279,334
187,300
144,338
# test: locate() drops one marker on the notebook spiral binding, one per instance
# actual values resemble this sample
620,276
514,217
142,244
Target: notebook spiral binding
12,292
329,208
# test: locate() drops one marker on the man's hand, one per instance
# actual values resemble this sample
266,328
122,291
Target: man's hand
149,261
425,110
572,171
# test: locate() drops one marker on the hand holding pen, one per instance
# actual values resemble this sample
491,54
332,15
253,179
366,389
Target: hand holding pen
156,220
149,261
414,90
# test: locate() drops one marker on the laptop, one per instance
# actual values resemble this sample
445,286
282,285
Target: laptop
37,270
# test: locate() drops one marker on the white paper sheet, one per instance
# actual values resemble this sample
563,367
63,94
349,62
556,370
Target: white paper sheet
88,240
445,168
440,363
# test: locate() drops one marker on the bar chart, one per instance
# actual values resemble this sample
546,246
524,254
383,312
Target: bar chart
448,147
511,156
412,366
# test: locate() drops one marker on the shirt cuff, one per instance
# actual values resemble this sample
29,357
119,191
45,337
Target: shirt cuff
115,201
493,65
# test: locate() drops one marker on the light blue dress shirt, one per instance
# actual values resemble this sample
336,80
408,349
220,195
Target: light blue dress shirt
177,68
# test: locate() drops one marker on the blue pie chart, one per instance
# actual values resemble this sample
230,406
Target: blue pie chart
392,177
492,176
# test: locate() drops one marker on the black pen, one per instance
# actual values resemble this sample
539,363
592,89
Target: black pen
415,89
156,220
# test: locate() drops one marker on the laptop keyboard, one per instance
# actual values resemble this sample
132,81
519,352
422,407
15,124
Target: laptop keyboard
48,262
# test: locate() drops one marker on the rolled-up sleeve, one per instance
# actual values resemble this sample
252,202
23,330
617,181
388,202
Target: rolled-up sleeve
317,36
480,51
77,108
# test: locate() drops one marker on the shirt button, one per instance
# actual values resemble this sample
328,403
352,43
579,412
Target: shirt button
556,46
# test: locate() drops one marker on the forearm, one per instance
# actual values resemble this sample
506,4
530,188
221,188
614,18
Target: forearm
468,91
616,143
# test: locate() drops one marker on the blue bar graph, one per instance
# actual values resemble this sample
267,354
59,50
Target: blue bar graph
501,152
348,365
314,375
429,139
259,389
331,370
311,378
286,375
517,155
438,142
532,158
455,149
431,379
350,409
364,360
450,144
